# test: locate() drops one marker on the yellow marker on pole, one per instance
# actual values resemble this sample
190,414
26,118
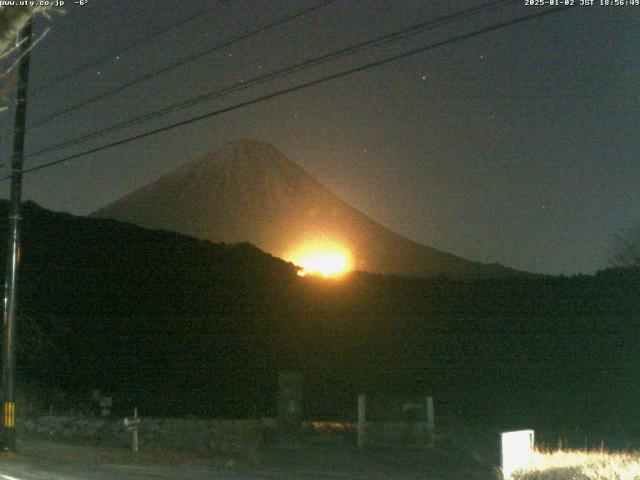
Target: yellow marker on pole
9,415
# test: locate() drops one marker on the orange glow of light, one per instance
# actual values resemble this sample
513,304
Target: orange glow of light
325,259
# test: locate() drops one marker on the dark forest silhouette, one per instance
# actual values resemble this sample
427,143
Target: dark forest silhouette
182,326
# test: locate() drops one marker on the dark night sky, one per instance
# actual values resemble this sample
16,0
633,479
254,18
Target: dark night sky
518,146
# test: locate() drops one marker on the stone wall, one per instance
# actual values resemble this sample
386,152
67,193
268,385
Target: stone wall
188,434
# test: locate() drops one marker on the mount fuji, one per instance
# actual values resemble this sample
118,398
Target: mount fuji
247,191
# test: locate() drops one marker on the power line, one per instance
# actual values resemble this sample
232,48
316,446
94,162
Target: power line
284,72
300,87
179,63
127,48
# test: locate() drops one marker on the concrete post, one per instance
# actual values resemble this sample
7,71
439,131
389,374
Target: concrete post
289,405
362,419
430,421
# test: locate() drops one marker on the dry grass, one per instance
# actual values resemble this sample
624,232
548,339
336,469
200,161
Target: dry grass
581,465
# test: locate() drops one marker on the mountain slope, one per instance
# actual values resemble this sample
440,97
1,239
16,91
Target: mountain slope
248,191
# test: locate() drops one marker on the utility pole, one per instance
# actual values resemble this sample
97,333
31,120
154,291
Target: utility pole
13,250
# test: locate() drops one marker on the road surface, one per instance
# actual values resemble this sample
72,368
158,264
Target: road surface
47,460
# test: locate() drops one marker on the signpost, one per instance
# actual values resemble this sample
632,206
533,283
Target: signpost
132,425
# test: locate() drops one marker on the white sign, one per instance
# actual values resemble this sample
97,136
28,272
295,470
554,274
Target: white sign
131,423
517,450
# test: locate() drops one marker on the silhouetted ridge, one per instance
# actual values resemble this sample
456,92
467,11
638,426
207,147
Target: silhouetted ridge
179,326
